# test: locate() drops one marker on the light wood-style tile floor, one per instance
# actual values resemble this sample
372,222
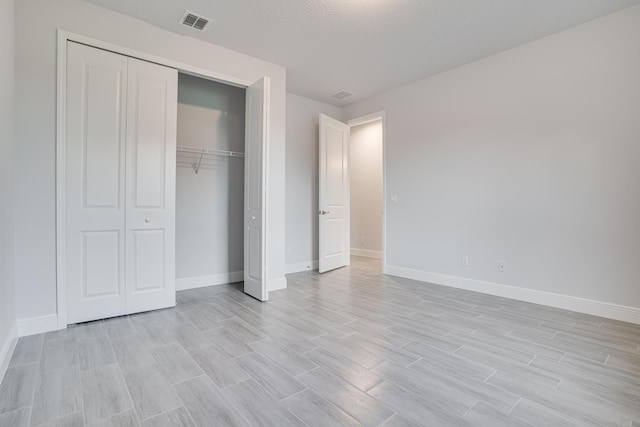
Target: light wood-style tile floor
350,347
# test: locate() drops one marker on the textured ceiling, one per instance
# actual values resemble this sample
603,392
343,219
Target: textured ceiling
367,46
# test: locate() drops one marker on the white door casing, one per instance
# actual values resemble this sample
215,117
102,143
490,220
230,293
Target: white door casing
150,186
333,194
116,125
255,193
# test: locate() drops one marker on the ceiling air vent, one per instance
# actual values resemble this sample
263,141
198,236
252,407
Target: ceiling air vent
192,20
342,94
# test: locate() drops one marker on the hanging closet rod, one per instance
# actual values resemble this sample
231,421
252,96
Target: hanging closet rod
212,152
195,157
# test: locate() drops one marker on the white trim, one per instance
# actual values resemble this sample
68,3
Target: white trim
38,325
209,280
277,284
379,115
366,253
580,305
61,212
7,350
64,37
301,266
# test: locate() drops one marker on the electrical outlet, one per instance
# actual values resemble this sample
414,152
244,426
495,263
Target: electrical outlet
502,266
465,261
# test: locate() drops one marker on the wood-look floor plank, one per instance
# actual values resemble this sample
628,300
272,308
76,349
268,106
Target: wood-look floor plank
206,404
483,414
178,417
28,350
16,418
269,375
95,352
361,406
17,387
59,353
151,393
315,411
104,393
73,420
284,357
218,366
258,406
175,363
58,394
227,342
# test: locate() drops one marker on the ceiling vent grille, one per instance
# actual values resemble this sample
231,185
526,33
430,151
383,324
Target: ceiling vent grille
193,20
342,95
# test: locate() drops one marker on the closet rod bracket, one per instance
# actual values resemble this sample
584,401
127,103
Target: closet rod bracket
196,167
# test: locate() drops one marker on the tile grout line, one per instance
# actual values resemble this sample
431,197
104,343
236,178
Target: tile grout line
294,394
470,408
514,405
38,381
490,375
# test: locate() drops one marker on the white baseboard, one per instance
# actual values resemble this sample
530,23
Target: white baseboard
581,305
7,350
366,253
301,266
37,325
277,284
209,280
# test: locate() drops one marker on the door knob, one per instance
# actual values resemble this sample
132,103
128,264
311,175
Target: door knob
147,220
323,212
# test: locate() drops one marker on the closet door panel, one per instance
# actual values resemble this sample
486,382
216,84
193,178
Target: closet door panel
150,217
101,263
147,133
102,142
148,260
94,183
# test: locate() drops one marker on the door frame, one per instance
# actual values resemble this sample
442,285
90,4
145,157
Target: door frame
379,115
61,89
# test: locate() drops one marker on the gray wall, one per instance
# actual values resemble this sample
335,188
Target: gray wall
7,296
302,180
365,172
210,205
36,25
530,156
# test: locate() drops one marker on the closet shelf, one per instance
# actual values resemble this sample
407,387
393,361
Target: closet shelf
201,158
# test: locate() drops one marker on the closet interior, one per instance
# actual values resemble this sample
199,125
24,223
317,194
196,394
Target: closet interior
209,183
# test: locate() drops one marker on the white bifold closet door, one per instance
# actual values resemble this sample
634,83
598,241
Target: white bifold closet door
119,184
255,199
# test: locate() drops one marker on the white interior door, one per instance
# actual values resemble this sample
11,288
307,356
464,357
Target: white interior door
333,195
255,181
151,186
94,183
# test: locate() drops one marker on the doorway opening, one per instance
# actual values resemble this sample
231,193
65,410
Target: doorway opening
366,188
209,183
351,191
